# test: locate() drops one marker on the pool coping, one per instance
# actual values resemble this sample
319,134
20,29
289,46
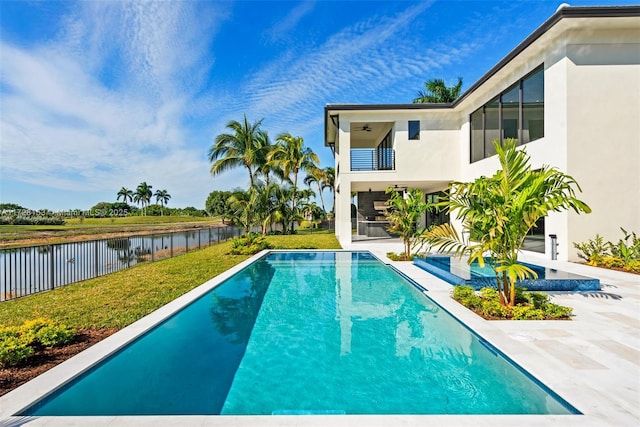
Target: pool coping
26,395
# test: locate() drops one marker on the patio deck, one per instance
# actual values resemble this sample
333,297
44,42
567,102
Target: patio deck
592,361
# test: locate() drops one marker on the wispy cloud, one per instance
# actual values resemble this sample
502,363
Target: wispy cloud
284,26
103,105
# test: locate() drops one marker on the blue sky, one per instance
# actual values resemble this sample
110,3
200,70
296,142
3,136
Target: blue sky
97,95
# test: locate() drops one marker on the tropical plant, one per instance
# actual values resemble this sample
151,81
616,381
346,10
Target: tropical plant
263,199
403,214
162,196
125,194
436,91
290,156
317,176
497,213
143,195
593,251
263,147
529,305
249,244
243,147
329,183
625,254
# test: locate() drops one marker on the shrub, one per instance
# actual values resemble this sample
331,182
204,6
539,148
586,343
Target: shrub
633,266
250,244
13,349
593,250
527,312
625,254
18,343
494,309
460,292
399,257
46,333
489,294
555,311
538,300
612,262
466,296
529,305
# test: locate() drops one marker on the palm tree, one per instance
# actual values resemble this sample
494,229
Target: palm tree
283,214
328,182
163,197
436,92
263,148
498,212
240,148
242,206
317,176
403,215
264,205
291,156
143,195
126,194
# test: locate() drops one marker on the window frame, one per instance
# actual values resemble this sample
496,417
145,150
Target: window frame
413,136
501,128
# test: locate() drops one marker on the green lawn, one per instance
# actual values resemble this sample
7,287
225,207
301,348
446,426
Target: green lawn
119,299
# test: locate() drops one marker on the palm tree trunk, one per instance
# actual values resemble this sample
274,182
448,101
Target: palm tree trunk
293,199
321,198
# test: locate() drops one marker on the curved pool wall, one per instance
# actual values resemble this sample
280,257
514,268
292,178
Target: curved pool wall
457,272
306,333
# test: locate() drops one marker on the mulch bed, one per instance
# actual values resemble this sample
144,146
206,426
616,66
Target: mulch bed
46,358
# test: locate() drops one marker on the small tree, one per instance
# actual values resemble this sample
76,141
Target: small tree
403,214
498,212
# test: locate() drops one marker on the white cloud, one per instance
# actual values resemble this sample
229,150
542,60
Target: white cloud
284,26
104,104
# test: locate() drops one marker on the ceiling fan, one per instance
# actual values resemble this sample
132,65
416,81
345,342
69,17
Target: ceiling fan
365,128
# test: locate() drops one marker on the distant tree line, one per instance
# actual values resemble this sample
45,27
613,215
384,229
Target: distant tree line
14,214
143,195
274,195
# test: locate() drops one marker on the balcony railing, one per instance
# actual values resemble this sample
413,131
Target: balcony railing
373,159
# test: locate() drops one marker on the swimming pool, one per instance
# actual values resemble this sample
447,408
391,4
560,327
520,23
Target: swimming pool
307,333
458,272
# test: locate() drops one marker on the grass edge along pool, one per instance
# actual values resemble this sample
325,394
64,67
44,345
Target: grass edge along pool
363,340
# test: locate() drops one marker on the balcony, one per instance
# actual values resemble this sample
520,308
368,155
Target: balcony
373,159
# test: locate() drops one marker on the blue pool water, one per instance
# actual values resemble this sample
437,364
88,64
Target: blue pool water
458,272
307,333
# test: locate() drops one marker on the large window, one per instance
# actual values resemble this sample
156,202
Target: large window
516,113
384,154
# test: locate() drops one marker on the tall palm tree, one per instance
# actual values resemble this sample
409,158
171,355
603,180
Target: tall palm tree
143,195
263,148
317,176
291,156
163,197
497,213
329,182
126,194
436,92
239,148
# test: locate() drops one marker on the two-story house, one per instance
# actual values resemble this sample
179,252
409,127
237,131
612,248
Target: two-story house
570,94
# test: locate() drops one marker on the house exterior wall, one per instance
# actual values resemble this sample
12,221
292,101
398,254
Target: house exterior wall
591,129
603,135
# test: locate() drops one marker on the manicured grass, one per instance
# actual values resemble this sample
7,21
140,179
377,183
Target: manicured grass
119,299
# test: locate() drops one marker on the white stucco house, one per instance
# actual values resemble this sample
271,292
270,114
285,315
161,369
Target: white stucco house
570,93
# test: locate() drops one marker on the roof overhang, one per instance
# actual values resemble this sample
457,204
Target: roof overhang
332,111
